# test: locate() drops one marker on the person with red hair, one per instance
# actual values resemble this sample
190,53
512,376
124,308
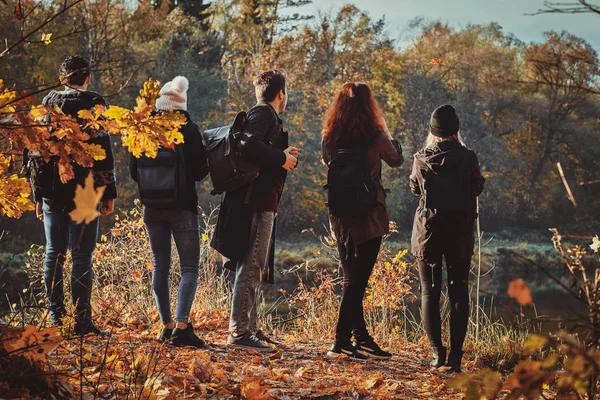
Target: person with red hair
356,139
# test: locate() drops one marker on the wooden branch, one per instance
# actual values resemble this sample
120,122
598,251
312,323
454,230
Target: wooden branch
572,198
66,8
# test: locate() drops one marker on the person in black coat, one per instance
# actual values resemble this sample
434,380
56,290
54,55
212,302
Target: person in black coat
447,179
54,200
178,220
245,230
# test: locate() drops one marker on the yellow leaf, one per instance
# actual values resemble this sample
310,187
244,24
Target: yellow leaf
534,343
115,112
38,112
46,38
86,114
86,201
204,237
595,246
94,150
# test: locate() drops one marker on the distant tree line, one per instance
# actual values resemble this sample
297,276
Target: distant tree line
523,106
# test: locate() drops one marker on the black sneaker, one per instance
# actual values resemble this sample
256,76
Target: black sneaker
83,328
369,348
186,337
264,338
165,335
248,341
348,350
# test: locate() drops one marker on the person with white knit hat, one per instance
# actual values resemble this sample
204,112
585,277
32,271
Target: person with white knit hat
178,220
173,95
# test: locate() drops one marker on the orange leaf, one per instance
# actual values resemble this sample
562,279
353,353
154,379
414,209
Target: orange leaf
518,290
256,390
86,201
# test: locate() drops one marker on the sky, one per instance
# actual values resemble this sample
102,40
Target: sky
510,14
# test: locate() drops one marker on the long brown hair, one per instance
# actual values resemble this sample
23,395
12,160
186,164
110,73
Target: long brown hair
353,116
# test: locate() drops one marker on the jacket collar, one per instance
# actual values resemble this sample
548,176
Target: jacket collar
264,103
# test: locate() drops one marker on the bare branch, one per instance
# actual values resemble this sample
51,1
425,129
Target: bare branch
576,7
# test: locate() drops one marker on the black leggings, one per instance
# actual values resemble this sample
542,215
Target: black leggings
458,267
357,263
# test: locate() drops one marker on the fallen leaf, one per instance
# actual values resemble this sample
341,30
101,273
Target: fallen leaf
256,390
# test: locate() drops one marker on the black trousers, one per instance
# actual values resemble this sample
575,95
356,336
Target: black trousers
357,263
458,265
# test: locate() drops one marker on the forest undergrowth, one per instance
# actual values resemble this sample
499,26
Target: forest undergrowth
38,359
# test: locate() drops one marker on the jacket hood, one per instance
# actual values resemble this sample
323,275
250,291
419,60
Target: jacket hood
71,101
442,156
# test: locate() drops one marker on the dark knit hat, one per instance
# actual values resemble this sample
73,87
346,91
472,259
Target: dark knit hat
444,121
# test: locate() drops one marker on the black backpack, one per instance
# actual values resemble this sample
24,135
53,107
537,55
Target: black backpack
161,180
351,189
229,170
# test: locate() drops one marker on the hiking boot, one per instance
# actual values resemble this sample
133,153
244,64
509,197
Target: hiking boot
369,348
439,357
186,337
264,338
165,335
83,328
248,341
454,360
348,350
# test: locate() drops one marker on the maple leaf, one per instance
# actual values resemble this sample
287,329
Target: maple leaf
86,201
46,38
518,290
35,344
436,61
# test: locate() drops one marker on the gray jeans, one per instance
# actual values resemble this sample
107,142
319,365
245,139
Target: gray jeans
244,308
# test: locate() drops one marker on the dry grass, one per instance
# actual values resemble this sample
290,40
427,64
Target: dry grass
123,302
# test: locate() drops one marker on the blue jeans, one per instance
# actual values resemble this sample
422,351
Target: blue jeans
61,232
183,225
244,305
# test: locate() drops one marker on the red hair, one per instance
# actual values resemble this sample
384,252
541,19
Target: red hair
354,115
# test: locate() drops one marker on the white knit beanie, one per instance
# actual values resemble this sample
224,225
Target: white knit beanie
173,95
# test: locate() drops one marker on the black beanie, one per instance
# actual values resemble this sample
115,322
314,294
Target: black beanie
444,121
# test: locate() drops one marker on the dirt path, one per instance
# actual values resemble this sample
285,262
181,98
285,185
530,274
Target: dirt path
135,366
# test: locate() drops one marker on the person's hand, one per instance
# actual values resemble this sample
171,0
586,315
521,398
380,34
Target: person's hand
386,130
39,213
291,158
107,207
